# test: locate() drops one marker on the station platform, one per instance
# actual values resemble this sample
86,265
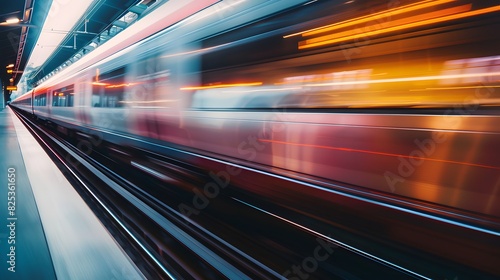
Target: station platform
48,231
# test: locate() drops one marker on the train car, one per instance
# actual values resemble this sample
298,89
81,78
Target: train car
24,102
392,97
278,77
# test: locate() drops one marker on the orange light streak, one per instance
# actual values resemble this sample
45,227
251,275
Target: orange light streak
223,86
455,88
376,16
99,84
394,23
407,79
121,85
405,26
379,153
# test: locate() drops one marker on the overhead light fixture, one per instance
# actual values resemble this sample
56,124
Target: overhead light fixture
16,22
10,65
12,20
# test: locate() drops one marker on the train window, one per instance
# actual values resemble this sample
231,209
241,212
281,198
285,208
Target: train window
40,100
368,54
151,82
108,89
63,97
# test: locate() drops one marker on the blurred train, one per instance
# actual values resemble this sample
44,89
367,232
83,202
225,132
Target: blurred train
395,97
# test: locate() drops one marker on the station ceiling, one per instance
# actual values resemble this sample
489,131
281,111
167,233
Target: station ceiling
17,40
23,34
